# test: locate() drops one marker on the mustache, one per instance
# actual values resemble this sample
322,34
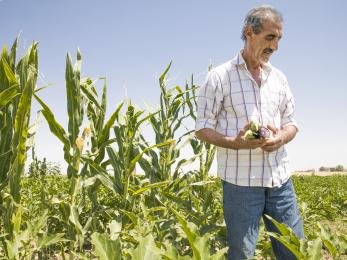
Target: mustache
269,50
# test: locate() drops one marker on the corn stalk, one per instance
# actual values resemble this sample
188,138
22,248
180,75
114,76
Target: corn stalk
17,85
73,144
9,98
165,124
124,156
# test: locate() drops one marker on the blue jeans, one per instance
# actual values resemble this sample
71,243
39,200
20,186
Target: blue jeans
243,208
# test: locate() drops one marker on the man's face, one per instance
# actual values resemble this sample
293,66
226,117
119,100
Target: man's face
262,45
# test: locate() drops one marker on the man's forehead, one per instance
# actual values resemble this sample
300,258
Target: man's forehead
272,25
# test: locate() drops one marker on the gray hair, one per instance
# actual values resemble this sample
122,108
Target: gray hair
256,16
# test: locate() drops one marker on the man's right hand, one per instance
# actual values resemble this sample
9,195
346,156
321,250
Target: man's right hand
240,142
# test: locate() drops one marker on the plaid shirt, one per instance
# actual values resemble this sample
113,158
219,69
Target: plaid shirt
227,101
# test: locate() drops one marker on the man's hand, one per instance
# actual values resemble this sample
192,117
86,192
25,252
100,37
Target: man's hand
243,143
276,141
231,142
280,137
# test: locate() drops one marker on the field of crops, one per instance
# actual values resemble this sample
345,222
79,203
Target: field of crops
102,207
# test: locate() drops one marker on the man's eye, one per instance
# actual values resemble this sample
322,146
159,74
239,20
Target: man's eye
270,37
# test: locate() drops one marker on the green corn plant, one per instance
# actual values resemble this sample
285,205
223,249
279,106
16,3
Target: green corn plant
105,247
17,86
75,108
93,161
165,124
9,98
301,248
203,211
69,210
28,74
29,241
335,243
81,95
119,242
126,154
145,245
72,140
96,112
195,185
197,189
93,158
199,244
94,169
99,135
203,193
137,243
73,144
165,164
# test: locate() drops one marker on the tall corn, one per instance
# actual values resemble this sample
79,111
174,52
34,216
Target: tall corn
17,85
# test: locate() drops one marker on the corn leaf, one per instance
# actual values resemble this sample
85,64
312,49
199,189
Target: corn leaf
286,242
191,232
54,126
151,186
74,100
7,95
106,130
20,134
91,97
10,74
48,240
74,218
105,248
168,142
146,249
315,251
12,56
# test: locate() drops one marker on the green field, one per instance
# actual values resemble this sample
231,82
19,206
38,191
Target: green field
101,208
322,200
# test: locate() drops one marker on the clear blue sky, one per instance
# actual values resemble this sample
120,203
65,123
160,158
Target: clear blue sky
131,42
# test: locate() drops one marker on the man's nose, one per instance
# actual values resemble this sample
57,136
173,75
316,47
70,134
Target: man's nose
274,45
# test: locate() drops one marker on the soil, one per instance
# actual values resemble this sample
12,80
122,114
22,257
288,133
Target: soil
310,173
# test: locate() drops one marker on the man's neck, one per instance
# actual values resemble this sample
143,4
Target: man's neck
251,62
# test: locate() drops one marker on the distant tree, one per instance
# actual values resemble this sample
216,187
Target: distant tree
322,169
339,168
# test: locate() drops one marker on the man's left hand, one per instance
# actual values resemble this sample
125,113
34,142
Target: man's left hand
275,142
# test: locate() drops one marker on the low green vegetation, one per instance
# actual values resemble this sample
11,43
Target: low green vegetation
322,200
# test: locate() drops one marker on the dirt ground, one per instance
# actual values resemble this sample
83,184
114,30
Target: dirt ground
309,173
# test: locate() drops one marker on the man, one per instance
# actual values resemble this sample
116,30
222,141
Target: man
254,172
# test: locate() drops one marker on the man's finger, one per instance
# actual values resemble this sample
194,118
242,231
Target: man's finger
268,148
256,143
269,143
272,128
247,126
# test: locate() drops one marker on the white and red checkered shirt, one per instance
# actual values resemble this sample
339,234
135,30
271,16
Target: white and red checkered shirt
227,101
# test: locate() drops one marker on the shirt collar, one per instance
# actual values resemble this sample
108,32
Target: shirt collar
239,61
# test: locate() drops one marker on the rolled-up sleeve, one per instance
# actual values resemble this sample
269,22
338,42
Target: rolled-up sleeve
287,108
209,100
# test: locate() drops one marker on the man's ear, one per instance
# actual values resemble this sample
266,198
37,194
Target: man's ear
249,32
